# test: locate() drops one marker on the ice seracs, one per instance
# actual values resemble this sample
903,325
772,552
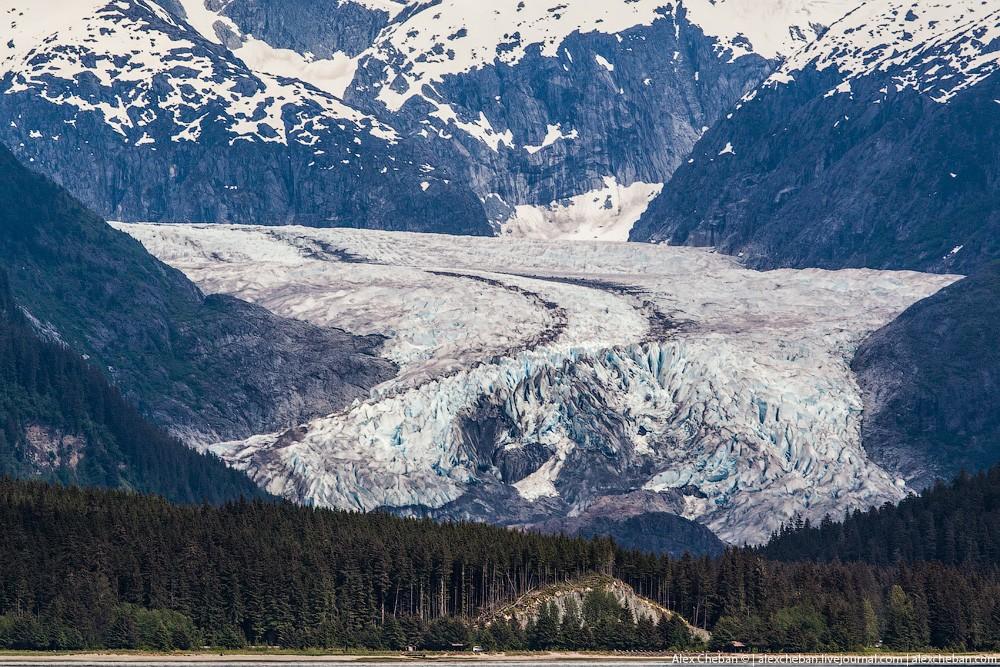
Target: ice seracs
541,376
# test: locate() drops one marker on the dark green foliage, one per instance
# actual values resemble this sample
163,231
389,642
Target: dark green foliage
90,568
799,628
260,572
956,523
673,633
393,637
600,607
61,420
902,628
571,631
445,634
545,629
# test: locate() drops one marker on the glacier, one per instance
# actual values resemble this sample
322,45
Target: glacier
540,377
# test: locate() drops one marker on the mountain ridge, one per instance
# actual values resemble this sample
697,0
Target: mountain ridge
62,421
303,104
930,379
852,156
201,366
132,89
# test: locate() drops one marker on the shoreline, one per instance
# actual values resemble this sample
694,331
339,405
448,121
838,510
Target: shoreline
527,657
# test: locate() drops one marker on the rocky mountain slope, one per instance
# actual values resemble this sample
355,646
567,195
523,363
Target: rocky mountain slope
62,421
873,146
565,379
207,367
453,117
643,520
528,608
143,117
544,104
931,383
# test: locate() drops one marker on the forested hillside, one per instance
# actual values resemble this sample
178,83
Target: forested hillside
956,524
61,420
107,569
205,367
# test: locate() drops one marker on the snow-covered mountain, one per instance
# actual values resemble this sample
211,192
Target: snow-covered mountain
137,112
542,104
434,41
873,146
545,383
375,113
545,379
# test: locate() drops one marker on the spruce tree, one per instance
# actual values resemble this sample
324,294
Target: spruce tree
901,626
871,634
571,627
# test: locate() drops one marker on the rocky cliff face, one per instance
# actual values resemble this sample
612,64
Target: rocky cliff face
931,383
642,520
206,367
565,115
455,113
64,422
529,606
325,29
871,147
537,104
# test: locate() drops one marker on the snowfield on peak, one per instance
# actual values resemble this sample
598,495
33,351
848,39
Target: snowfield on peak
540,377
774,29
938,47
26,24
456,36
331,75
137,64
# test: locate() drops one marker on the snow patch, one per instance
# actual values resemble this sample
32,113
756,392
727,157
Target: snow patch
481,128
605,214
937,47
773,29
553,133
331,75
27,24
